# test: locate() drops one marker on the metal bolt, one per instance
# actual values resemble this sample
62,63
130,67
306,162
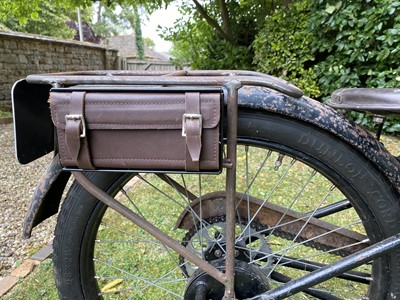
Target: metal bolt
378,119
218,253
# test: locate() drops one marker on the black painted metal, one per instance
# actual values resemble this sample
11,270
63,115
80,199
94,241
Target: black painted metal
201,292
33,128
330,271
330,209
313,266
249,281
317,114
310,291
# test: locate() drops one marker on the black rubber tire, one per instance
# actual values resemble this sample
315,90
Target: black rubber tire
370,193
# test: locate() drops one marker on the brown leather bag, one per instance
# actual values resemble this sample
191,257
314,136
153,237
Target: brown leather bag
138,130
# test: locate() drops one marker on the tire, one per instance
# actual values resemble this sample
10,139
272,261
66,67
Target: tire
301,169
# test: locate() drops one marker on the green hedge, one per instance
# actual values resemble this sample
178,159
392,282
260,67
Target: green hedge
325,45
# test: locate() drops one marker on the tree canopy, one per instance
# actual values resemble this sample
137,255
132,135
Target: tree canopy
218,34
24,10
51,21
320,45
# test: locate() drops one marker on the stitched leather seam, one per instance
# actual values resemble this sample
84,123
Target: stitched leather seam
133,126
137,159
133,103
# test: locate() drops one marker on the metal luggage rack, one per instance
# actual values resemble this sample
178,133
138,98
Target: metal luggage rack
231,81
157,78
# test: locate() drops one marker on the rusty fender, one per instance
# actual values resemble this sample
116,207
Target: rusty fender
47,196
324,117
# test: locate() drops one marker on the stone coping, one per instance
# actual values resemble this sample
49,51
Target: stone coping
20,35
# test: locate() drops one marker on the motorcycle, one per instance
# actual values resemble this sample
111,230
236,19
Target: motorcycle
302,204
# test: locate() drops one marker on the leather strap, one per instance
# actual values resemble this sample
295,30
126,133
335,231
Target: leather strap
75,131
193,128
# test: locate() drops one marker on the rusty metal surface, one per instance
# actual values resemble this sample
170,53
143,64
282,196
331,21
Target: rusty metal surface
324,117
46,197
266,93
188,78
148,227
321,235
232,112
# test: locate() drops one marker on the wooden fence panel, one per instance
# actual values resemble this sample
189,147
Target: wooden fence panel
140,65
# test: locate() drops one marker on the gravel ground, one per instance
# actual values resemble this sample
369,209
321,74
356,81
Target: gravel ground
17,183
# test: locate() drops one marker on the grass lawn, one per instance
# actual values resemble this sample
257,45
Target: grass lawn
40,284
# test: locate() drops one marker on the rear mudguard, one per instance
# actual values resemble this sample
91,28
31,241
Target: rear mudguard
324,117
46,201
47,196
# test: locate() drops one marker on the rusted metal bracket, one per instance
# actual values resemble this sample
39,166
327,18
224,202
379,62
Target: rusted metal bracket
231,81
232,112
227,278
154,79
148,227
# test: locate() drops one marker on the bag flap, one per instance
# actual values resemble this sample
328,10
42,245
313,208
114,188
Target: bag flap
135,110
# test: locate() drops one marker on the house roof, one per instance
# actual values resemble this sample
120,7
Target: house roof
126,45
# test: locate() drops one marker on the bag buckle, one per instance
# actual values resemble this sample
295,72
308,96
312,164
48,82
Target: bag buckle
78,118
191,117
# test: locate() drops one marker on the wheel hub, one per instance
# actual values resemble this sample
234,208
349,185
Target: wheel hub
249,282
209,242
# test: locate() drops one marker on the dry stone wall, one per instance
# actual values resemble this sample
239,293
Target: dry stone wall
22,54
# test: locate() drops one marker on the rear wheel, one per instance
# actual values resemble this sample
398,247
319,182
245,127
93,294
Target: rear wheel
305,199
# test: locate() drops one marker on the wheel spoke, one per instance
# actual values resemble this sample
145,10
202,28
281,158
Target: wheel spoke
270,194
139,238
302,229
170,253
184,205
270,219
178,187
346,247
149,282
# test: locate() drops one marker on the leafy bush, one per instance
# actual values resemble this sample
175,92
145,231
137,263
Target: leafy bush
359,41
323,45
283,47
